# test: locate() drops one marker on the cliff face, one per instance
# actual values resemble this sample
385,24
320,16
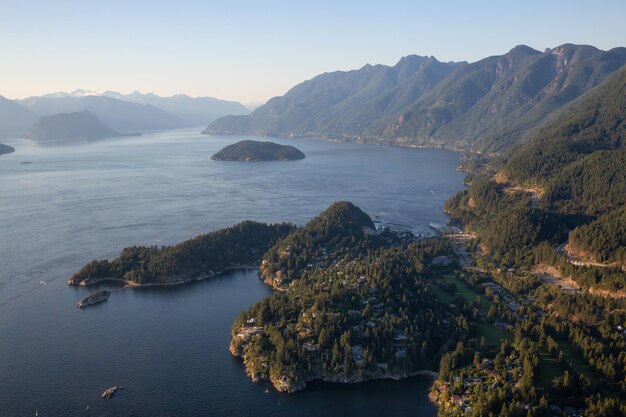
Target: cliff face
292,380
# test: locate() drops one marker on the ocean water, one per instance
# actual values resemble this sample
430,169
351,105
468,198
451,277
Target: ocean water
169,347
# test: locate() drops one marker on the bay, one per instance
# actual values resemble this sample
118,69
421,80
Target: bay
169,347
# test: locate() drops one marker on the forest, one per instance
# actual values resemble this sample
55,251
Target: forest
353,305
240,245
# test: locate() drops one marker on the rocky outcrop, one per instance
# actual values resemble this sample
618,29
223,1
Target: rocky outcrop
94,298
111,391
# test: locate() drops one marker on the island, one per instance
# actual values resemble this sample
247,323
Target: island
6,149
71,127
252,150
204,256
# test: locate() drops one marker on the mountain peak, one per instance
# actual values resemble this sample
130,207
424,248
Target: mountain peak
523,49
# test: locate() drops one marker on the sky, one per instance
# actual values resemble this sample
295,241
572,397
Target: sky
250,51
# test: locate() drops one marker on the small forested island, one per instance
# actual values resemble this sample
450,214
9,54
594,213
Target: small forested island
252,150
194,259
547,226
70,127
6,149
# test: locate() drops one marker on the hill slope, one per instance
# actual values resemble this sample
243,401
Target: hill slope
572,172
70,127
486,105
341,102
252,150
14,118
119,115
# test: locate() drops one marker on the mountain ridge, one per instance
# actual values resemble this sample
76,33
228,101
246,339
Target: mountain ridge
195,111
488,105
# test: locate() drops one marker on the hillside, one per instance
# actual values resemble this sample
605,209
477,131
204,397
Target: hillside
570,173
252,150
351,312
118,115
341,102
337,231
15,119
6,149
486,105
596,122
194,111
201,257
603,239
70,127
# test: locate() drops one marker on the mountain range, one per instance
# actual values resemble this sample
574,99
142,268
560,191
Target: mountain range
124,113
487,105
194,111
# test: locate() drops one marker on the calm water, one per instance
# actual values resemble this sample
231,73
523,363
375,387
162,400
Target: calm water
169,347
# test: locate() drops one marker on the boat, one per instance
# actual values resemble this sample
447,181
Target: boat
94,298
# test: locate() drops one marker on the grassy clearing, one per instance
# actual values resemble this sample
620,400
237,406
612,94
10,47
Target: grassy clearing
493,335
549,368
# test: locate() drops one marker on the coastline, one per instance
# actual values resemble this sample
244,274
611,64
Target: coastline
131,284
355,140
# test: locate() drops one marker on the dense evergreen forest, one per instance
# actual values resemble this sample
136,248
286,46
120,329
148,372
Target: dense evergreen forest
603,239
351,311
550,221
338,231
571,176
205,255
253,150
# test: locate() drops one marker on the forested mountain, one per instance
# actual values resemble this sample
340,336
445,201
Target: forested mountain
486,105
14,118
70,127
603,239
571,172
118,115
194,111
341,102
595,122
337,231
357,307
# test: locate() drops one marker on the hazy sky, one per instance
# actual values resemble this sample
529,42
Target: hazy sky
253,50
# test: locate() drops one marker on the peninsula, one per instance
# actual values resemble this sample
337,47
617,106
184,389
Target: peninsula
199,258
348,308
252,150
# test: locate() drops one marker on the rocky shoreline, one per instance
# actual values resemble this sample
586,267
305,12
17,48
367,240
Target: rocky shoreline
291,381
94,298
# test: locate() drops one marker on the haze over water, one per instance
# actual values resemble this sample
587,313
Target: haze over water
169,347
